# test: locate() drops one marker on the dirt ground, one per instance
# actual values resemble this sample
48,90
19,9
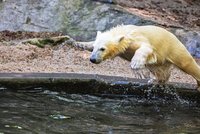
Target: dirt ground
172,13
64,58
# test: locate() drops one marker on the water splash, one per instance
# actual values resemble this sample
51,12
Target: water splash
169,93
142,73
172,91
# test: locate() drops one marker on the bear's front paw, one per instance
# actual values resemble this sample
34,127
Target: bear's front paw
138,63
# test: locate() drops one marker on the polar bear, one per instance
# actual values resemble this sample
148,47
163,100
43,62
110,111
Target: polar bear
149,46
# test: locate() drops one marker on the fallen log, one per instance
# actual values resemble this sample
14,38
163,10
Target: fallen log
64,40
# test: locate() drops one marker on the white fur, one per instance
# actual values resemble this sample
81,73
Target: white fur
103,38
112,35
139,60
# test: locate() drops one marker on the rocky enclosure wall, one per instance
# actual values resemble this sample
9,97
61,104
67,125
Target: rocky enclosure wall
78,18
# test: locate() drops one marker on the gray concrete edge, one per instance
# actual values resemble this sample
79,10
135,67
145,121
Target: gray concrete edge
96,84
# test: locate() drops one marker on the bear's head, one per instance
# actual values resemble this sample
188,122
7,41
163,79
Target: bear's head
106,46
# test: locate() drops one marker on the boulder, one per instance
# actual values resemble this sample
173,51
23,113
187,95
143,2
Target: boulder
77,18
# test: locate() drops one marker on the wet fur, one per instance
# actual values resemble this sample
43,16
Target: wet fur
164,50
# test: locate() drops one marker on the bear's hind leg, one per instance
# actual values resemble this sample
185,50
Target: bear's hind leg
189,66
161,73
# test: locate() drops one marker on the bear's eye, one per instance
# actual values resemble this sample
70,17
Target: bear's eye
102,49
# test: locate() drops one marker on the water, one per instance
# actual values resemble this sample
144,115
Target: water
47,112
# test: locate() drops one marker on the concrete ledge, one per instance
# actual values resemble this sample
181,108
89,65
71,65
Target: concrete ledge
109,86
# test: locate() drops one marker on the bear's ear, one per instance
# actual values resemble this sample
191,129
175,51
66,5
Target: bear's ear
119,38
98,33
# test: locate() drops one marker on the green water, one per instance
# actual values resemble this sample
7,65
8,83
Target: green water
46,112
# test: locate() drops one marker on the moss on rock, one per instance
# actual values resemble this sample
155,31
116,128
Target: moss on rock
40,42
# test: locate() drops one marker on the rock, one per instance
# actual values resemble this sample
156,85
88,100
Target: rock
191,39
77,18
41,42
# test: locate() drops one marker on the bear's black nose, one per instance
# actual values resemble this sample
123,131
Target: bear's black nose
93,60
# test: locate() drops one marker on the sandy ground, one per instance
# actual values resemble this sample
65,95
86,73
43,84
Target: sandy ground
29,58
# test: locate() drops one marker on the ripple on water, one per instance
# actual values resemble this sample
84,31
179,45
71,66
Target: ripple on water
58,112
